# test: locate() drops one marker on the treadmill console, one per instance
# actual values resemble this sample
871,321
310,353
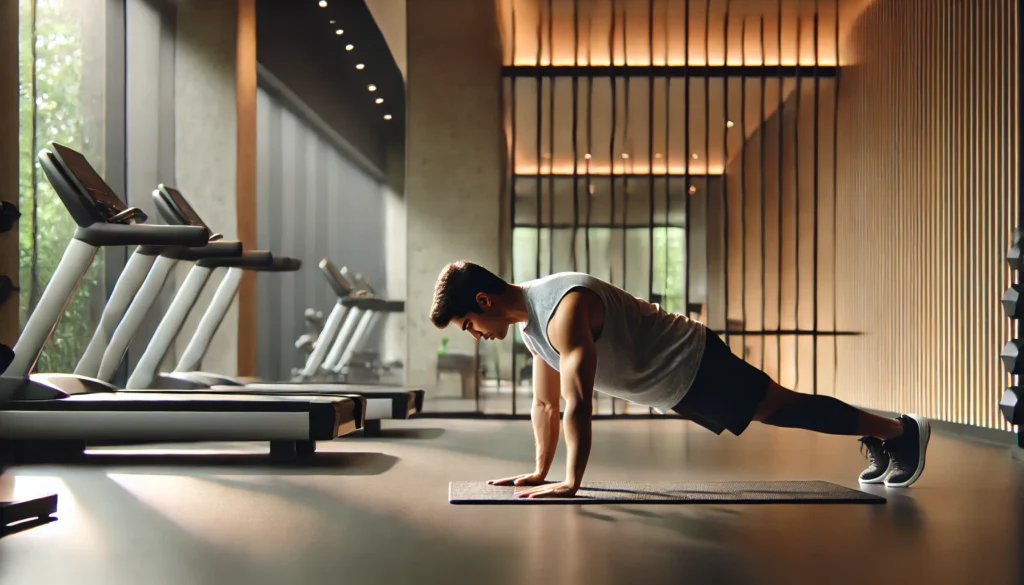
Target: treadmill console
338,282
174,208
85,194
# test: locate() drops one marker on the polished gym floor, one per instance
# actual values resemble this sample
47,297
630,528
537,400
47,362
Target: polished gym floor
375,511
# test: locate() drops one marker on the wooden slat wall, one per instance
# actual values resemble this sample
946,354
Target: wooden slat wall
926,195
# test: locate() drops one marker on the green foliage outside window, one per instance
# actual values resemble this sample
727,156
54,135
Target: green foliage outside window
60,100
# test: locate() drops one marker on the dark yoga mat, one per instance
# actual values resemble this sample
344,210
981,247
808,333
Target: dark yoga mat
671,492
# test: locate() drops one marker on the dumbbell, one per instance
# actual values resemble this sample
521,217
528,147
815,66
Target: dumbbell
9,216
1011,407
1015,257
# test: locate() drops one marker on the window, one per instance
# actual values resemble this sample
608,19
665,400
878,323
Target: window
62,90
606,258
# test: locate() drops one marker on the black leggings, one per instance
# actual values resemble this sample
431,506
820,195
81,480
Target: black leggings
823,414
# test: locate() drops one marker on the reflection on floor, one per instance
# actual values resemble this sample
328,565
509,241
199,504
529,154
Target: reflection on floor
375,511
498,401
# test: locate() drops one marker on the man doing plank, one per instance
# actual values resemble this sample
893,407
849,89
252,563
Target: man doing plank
587,335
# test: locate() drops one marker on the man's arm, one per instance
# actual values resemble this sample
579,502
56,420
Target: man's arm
571,334
544,415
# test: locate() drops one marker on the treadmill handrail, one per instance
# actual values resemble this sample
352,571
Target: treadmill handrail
217,249
116,234
248,259
374,304
280,264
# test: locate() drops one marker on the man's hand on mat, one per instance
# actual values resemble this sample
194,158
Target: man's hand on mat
551,490
524,479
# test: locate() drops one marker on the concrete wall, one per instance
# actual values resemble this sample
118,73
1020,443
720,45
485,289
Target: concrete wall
206,110
454,159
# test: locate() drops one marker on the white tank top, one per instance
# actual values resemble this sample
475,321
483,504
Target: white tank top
644,354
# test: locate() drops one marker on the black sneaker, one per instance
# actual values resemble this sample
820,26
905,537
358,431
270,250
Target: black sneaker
874,450
907,451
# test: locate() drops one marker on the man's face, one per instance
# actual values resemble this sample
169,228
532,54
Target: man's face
490,325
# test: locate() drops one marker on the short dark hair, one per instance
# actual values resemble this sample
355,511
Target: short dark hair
456,290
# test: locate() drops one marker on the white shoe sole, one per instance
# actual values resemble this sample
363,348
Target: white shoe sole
879,479
924,430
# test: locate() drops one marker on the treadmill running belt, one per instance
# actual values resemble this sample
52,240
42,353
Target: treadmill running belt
676,492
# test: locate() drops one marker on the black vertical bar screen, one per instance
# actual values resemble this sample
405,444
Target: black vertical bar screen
668,151
650,150
626,147
551,141
743,193
760,181
707,154
590,128
687,221
614,81
575,150
650,156
725,188
781,114
814,302
512,187
611,148
796,194
540,132
835,208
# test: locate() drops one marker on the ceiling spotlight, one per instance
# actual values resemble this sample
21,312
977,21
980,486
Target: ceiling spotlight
339,32
323,3
333,21
587,156
657,155
349,47
379,100
625,155
360,66
695,157
693,189
387,116
729,124
371,87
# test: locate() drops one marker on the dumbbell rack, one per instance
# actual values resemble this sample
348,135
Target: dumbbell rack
18,515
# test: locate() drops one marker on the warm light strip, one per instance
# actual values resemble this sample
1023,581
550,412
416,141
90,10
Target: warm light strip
528,61
566,170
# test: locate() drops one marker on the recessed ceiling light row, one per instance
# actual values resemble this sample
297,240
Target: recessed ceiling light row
359,66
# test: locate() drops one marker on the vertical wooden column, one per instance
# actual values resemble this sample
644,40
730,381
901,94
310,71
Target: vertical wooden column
246,181
9,321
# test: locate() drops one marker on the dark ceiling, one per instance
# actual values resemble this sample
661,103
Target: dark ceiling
297,40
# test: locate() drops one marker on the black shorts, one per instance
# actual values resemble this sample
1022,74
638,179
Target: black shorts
726,391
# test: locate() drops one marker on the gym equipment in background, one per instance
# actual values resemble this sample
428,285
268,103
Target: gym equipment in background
381,402
66,412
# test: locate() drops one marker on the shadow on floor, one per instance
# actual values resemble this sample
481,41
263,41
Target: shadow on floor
326,463
403,434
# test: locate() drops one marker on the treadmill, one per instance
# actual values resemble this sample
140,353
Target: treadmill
363,315
382,402
66,411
